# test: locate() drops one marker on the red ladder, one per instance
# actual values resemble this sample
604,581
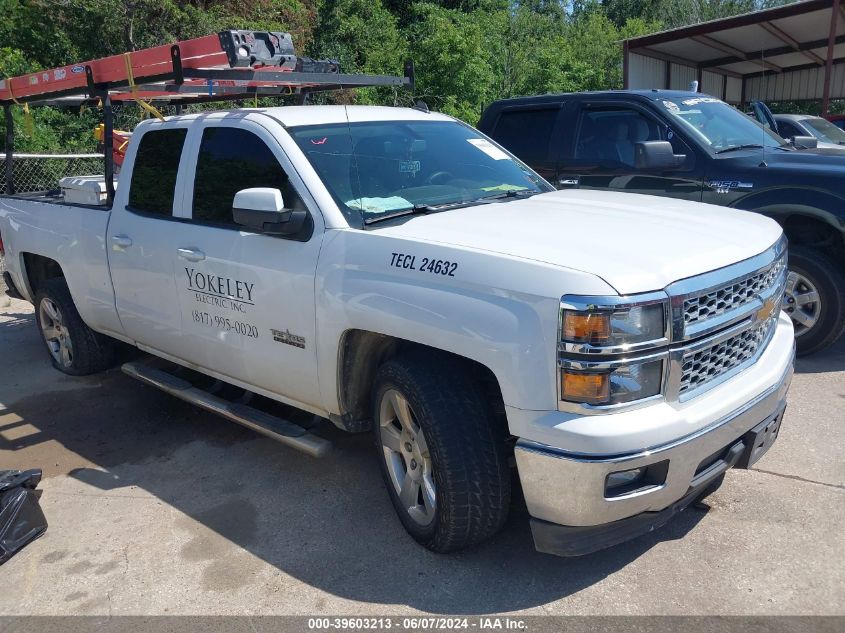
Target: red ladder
228,65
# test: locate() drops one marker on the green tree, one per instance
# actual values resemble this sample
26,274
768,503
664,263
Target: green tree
364,37
450,51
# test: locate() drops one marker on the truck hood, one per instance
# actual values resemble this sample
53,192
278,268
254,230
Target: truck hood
825,159
635,243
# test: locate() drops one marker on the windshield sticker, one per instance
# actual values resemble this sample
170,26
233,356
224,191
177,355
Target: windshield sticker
671,105
380,205
697,100
409,166
319,141
488,148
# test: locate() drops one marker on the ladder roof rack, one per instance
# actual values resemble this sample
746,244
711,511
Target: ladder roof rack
231,65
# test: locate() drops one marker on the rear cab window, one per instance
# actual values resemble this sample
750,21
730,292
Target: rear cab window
527,131
154,172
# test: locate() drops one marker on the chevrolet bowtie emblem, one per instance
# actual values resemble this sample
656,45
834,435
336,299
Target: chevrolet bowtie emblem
767,310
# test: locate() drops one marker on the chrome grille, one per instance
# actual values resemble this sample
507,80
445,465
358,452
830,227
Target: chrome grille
734,295
699,368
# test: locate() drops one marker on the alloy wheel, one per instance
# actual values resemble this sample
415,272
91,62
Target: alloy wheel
408,459
802,302
55,332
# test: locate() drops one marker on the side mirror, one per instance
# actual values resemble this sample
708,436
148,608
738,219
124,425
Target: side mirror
805,142
262,209
656,155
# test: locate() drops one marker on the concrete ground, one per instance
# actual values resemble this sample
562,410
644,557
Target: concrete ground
156,507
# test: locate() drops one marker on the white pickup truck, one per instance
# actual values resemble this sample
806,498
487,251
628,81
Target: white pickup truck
397,272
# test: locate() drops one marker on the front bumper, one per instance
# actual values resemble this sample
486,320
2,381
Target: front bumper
566,492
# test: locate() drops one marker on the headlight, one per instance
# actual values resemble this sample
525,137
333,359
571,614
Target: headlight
617,385
612,350
614,327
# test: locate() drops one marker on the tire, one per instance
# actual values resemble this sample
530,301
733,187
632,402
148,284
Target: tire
463,488
73,347
817,324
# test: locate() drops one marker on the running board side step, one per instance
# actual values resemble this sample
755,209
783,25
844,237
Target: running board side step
273,427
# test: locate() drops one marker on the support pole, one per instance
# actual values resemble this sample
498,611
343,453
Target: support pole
108,146
828,66
626,69
10,149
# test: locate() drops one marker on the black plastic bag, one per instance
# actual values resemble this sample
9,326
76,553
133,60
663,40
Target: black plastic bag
21,518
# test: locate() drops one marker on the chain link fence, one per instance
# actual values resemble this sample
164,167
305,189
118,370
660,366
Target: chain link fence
42,172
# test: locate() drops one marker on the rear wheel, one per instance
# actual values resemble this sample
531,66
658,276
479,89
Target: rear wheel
814,299
74,348
441,455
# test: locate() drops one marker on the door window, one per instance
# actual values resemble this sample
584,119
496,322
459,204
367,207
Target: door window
154,173
788,130
527,132
231,159
607,136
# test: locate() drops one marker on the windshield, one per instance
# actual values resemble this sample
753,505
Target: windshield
376,169
825,130
717,125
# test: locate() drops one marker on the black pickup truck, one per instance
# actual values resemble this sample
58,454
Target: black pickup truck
695,147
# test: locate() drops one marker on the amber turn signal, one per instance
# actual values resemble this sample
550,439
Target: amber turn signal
586,327
586,388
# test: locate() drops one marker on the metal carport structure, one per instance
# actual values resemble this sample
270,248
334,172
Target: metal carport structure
789,53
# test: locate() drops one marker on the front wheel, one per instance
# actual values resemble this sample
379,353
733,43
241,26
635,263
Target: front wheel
74,348
442,457
814,299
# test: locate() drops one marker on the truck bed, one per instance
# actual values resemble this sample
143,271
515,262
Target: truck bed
73,235
53,196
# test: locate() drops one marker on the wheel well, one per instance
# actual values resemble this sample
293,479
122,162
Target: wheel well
39,269
804,230
362,353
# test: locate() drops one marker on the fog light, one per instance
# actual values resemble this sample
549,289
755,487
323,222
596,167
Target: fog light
624,478
644,479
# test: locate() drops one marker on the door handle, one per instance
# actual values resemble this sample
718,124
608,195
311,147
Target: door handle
191,254
121,242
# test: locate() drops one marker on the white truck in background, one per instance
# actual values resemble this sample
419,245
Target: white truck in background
396,272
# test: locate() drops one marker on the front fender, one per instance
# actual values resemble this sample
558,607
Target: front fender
781,203
499,311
